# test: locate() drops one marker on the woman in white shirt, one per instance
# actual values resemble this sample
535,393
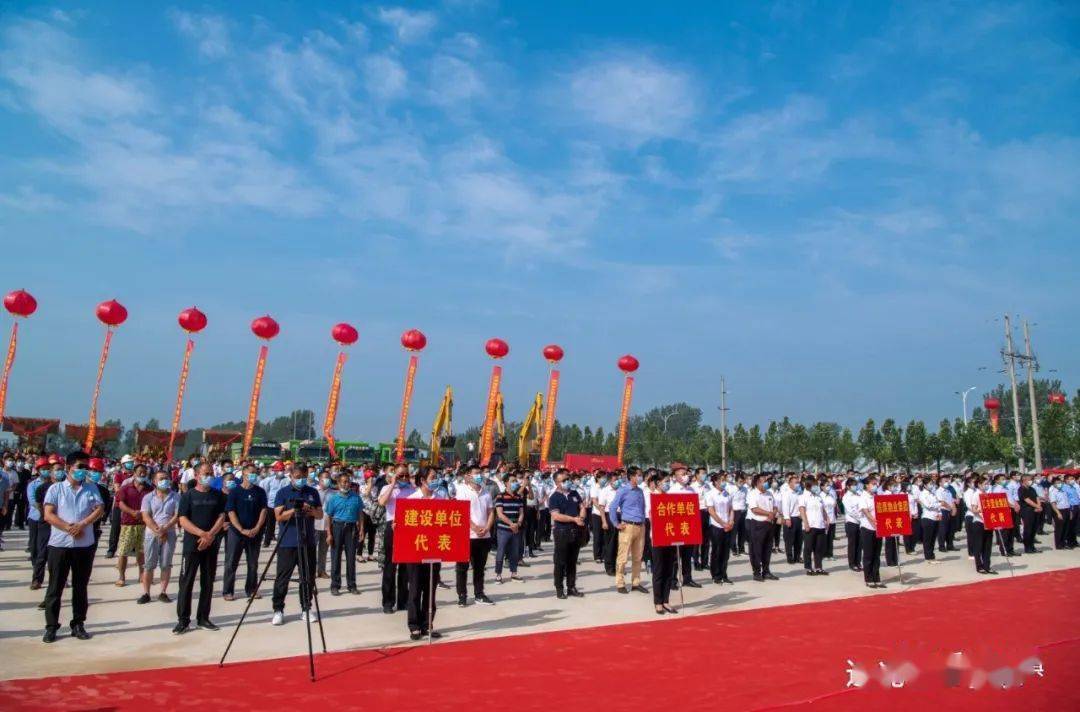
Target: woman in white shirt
981,540
815,523
868,539
929,519
721,521
910,540
850,501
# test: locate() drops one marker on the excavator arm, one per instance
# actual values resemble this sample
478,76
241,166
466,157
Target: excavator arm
443,429
530,430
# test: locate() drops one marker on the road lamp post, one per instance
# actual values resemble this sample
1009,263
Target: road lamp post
963,401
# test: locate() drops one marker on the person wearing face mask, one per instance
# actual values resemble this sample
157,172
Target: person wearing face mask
967,493
930,518
272,484
71,508
850,502
981,539
681,485
1072,492
395,589
738,509
39,529
509,524
1030,512
567,517
947,504
245,512
910,540
761,513
343,510
700,486
96,475
421,604
326,488
610,534
201,515
296,510
160,512
596,517
869,541
626,515
121,477
814,522
721,524
1062,513
793,524
9,483
129,500
828,498
481,521
891,544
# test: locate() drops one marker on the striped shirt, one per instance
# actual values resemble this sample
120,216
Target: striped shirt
511,505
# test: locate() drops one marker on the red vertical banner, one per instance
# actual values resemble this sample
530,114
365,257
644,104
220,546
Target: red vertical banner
624,417
996,512
9,360
549,416
253,407
487,434
893,515
184,368
332,405
91,427
406,400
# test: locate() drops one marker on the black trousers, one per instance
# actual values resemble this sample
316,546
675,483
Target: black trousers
701,553
929,534
79,563
851,529
983,541
1061,527
969,522
21,508
204,565
114,531
596,523
910,540
567,545
345,535
420,598
684,565
793,540
545,526
236,544
663,573
1007,539
532,529
369,534
892,551
646,554
269,527
830,537
1070,533
814,548
1029,517
760,546
945,532
288,560
395,585
39,544
611,549
721,551
738,532
871,555
478,556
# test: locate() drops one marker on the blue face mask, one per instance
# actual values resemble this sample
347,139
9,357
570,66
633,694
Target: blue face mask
768,485
665,487
95,477
164,486
78,475
204,480
60,475
43,474
478,479
229,484
815,489
798,489
616,484
253,478
129,465
515,486
403,484
298,483
858,487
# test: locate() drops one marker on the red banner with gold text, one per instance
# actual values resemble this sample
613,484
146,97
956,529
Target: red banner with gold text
675,520
996,512
406,400
624,417
893,515
549,417
487,434
184,368
429,531
253,407
332,405
91,430
8,362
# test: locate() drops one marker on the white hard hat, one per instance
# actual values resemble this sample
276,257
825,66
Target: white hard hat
126,458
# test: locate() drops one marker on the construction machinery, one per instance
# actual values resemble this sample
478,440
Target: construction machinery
442,432
531,433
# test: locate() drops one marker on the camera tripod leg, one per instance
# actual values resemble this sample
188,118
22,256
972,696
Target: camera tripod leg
251,599
305,607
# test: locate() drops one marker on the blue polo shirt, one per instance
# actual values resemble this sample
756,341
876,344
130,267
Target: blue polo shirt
285,497
344,506
32,513
73,505
248,503
628,506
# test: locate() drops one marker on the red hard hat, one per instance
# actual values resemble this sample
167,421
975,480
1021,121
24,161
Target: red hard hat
97,464
41,461
53,459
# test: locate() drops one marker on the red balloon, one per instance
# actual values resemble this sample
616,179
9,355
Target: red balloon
112,313
414,340
344,334
265,327
1057,398
553,353
628,364
992,403
496,348
20,303
192,320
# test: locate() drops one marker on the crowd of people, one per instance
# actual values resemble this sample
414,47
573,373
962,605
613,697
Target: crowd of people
326,519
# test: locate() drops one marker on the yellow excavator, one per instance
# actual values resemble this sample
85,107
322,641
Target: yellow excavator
442,433
532,430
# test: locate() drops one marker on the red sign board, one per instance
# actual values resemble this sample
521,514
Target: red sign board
675,520
996,512
893,515
587,463
429,531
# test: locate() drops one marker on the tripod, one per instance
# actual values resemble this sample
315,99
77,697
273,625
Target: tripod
302,564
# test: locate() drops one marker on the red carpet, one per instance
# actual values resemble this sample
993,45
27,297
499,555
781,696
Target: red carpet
766,658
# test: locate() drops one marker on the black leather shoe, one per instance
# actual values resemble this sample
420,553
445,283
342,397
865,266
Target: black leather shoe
181,628
41,606
78,631
727,580
462,601
414,635
388,609
50,636
692,584
770,577
759,577
560,594
435,635
207,625
623,589
640,589
576,593
335,592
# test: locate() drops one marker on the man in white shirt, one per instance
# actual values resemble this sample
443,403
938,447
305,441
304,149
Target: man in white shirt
738,506
700,485
596,519
793,524
929,519
814,515
481,523
610,537
760,515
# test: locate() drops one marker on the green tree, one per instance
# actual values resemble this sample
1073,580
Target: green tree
916,445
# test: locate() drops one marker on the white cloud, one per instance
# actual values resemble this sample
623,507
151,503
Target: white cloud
210,33
634,94
408,26
454,80
384,76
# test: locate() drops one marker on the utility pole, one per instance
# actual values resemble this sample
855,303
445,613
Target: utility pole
1010,360
723,425
1032,365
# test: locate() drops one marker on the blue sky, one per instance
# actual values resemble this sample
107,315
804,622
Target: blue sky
829,203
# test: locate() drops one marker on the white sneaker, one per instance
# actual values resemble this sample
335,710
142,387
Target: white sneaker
310,617
279,618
